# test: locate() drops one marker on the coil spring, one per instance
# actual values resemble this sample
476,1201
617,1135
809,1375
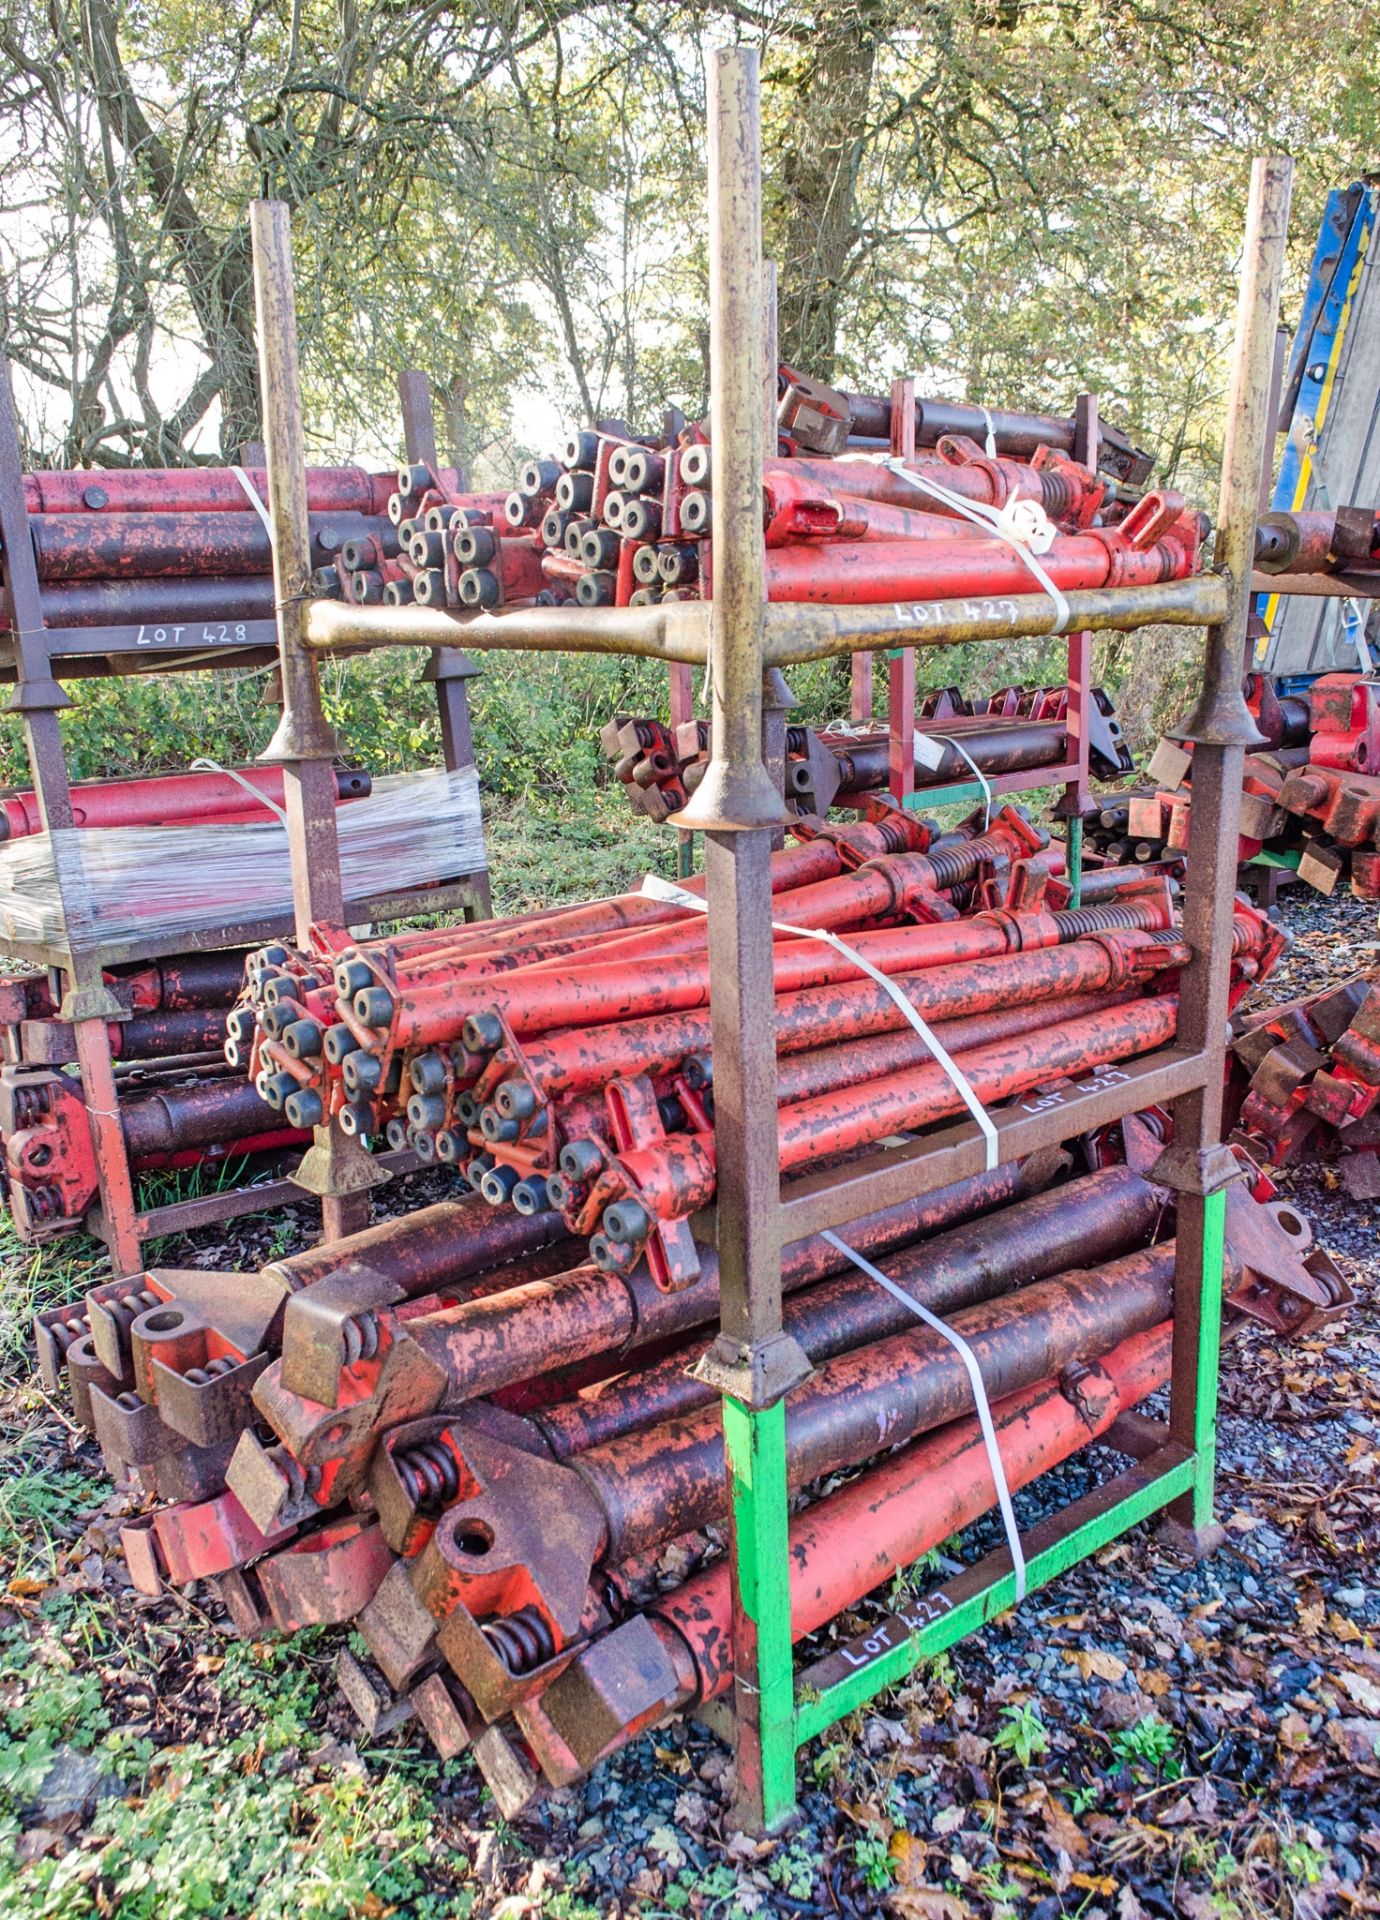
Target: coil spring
522,1640
45,1203
126,1311
1056,495
894,837
359,1337
300,1481
956,863
611,1594
30,1105
429,1472
199,1376
65,1332
1107,919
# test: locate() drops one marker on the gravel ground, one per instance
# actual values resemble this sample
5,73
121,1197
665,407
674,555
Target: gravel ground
1145,1737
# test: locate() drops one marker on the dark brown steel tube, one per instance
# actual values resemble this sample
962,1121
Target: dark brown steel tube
224,598
483,1345
669,1479
1020,433
1083,1223
203,1115
422,1252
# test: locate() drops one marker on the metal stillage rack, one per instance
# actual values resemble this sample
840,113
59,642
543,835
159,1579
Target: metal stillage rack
39,657
754,1362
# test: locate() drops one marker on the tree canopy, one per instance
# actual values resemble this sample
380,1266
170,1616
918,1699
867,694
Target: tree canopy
1011,199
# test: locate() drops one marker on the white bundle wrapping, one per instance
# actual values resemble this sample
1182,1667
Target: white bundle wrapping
125,883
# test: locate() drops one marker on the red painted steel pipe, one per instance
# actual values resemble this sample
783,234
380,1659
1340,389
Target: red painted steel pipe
515,571
610,926
168,799
568,1061
677,1177
1082,1223
487,1345
195,490
852,1541
1307,543
864,572
798,508
1064,494
595,995
822,1070
892,885
167,546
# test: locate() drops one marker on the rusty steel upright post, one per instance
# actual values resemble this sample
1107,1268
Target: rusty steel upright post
448,669
338,1169
303,743
38,699
1221,729
753,1362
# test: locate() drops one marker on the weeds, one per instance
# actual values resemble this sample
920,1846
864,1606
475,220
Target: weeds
1149,1744
1022,1733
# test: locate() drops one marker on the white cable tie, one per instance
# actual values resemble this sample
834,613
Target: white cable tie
1022,524
206,765
255,501
655,888
1355,617
989,445
980,1400
982,780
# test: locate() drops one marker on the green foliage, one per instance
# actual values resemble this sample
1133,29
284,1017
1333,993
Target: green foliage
1004,1894
196,1825
1303,1863
796,1866
1150,1743
873,1860
1022,1733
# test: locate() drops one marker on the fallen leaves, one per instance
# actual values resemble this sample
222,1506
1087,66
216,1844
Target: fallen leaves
1362,1692
1358,1742
927,1903
1096,1664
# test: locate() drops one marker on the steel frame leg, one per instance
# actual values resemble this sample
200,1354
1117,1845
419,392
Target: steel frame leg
1073,859
770,1726
1190,1526
764,1666
119,1224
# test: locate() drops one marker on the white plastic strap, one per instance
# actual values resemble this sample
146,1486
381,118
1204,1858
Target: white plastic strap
255,500
1354,618
206,765
989,445
655,888
1022,524
950,741
980,1400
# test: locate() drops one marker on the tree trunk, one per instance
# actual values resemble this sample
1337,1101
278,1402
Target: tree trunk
816,225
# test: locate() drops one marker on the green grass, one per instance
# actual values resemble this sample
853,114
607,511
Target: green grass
193,1831
34,1278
